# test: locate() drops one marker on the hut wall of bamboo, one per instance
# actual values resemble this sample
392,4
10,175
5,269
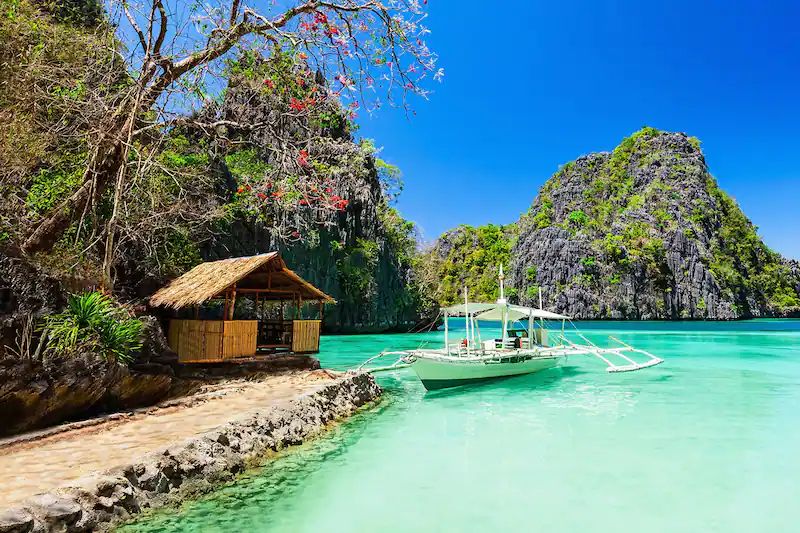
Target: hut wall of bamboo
305,336
206,341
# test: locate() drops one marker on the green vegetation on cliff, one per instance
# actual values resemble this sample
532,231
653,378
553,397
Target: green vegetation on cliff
470,257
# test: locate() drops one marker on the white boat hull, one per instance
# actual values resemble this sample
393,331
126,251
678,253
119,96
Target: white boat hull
440,372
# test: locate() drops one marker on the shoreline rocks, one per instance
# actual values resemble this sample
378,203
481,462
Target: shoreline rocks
193,466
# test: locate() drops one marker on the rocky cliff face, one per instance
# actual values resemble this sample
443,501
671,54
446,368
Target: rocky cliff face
361,254
644,232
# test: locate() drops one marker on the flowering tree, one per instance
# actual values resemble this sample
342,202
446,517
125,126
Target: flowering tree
368,53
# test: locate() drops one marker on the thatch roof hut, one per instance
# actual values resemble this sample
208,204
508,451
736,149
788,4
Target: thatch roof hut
264,273
265,279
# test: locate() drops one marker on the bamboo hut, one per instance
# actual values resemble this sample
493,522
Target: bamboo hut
269,299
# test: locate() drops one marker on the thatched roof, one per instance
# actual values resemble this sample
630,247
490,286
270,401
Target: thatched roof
266,273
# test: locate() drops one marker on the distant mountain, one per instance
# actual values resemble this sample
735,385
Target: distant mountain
642,232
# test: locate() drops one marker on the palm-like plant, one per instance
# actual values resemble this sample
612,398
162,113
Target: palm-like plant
92,321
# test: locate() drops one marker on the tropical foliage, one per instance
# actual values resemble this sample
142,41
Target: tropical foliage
470,257
93,323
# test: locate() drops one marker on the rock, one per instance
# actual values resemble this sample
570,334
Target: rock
35,393
16,521
645,233
25,290
54,511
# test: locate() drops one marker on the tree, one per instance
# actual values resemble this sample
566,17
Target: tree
369,52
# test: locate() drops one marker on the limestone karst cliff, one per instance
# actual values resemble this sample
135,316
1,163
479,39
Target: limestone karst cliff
642,232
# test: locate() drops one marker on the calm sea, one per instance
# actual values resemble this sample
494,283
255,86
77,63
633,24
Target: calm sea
707,441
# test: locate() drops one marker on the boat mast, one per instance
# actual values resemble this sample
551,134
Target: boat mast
541,319
446,340
502,301
466,315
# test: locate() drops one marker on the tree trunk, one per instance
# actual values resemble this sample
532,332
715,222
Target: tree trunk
102,169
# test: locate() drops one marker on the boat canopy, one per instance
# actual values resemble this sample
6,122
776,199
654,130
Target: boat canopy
473,308
518,312
494,312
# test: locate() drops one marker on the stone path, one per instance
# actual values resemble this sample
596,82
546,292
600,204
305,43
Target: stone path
31,467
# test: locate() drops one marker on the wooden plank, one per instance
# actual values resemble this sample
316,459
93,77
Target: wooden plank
212,338
239,338
305,336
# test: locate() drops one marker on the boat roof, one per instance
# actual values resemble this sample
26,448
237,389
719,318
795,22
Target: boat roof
494,312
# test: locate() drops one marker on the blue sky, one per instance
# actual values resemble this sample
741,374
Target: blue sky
532,85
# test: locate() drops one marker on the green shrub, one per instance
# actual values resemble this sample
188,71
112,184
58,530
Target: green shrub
544,218
533,292
52,185
93,322
578,218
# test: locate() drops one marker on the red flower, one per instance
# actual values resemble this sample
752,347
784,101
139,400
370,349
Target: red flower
269,83
295,234
302,158
302,55
320,17
331,31
240,190
328,190
303,202
262,196
296,104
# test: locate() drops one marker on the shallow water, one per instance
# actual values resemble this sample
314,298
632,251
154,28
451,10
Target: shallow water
707,441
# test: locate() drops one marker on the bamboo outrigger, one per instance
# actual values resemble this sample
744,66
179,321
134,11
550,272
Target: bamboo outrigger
262,287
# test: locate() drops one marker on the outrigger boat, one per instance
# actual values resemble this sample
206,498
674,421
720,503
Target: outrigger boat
527,345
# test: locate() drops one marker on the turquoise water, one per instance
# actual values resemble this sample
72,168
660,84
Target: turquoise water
708,441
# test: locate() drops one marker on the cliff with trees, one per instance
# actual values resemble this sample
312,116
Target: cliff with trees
642,232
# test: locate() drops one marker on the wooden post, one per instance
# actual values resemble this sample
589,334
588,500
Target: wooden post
225,306
321,309
196,312
233,303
